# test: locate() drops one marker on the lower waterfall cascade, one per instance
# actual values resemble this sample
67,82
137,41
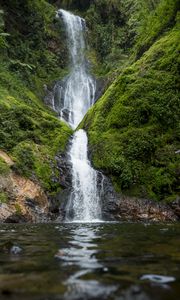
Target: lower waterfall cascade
75,98
84,201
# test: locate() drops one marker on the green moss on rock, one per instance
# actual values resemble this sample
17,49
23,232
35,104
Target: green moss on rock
35,55
134,128
3,197
4,168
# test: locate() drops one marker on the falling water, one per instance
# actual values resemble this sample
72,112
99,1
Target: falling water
79,90
84,199
78,97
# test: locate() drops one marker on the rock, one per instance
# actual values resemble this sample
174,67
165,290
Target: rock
15,250
59,254
101,85
48,99
27,202
108,198
6,158
8,247
65,170
6,211
136,289
175,205
158,278
30,203
142,210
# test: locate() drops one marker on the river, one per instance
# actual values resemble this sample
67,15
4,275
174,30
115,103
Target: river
89,261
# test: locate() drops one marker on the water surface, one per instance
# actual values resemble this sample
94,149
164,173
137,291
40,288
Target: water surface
89,261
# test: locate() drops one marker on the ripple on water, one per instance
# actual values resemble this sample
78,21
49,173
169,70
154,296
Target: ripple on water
158,278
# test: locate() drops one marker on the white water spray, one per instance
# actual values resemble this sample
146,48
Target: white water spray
80,87
79,95
84,200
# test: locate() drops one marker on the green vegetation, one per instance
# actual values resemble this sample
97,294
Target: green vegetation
114,26
3,198
35,48
134,128
29,131
18,209
31,56
4,168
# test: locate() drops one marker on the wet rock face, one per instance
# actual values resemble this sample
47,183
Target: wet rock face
57,203
48,99
101,85
108,198
65,169
175,205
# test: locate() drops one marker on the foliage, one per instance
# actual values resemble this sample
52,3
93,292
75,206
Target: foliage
18,209
25,122
113,27
35,44
30,131
3,197
3,35
4,168
134,128
155,24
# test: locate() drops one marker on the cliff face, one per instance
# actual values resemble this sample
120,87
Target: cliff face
133,129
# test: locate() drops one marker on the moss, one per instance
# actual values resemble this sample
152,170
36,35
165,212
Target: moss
155,24
3,197
4,168
35,56
29,130
18,209
134,129
35,50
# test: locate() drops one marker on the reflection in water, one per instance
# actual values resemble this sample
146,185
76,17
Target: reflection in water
94,261
81,252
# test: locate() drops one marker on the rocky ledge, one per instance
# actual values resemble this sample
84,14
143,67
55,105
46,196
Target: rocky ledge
133,209
26,201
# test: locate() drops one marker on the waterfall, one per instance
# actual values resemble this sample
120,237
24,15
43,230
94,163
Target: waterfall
78,97
84,199
79,89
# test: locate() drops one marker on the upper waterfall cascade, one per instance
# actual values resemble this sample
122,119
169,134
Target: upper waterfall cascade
78,96
80,87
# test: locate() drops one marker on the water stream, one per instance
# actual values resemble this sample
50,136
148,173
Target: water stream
79,87
84,201
78,96
105,261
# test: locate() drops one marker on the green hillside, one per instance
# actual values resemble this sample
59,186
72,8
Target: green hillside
134,128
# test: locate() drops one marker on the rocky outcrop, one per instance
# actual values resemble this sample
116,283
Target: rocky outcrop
132,209
108,198
6,158
101,86
26,201
57,203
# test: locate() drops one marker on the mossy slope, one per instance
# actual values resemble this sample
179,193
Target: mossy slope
134,128
29,131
